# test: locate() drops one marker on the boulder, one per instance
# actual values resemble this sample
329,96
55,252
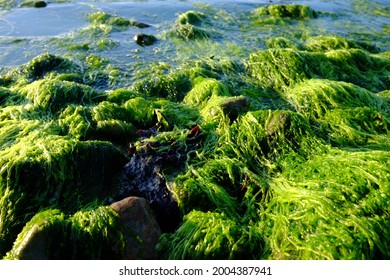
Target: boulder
138,218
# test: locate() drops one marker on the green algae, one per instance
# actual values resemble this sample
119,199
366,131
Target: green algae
67,170
172,86
52,94
293,11
89,234
308,217
277,69
328,43
346,113
213,236
42,237
97,234
192,25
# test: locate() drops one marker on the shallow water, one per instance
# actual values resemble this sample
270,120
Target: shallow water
26,32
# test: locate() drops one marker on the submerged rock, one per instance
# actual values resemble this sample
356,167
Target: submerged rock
138,217
140,24
144,39
34,4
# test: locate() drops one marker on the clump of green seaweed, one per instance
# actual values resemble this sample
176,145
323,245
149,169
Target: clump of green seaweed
51,234
193,25
283,152
293,11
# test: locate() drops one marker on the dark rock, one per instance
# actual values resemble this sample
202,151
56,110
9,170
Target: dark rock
138,218
144,39
143,175
235,106
34,4
140,24
145,179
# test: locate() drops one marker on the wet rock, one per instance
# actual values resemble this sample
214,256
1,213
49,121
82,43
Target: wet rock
143,175
277,123
138,218
140,24
144,178
34,245
34,4
233,107
144,39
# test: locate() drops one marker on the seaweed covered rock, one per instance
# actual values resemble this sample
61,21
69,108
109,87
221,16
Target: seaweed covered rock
45,63
34,4
264,139
42,238
324,95
215,186
214,100
192,25
172,86
86,235
71,174
292,11
203,90
101,17
52,94
277,68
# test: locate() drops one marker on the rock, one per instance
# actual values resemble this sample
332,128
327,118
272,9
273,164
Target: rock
144,39
138,218
235,106
140,24
34,4
143,177
34,246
